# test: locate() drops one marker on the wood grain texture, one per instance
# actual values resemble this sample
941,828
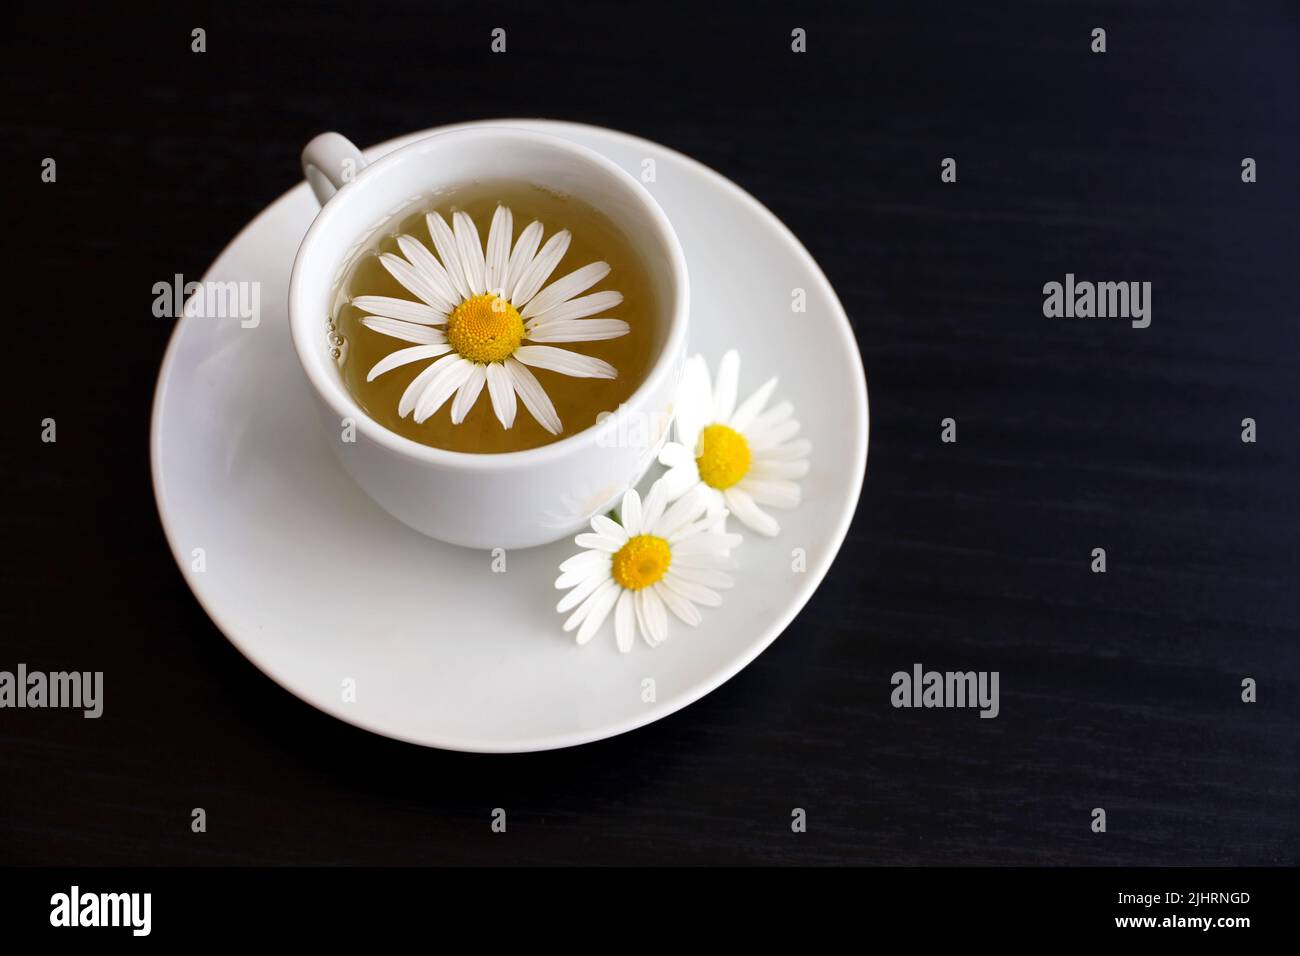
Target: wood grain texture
1118,690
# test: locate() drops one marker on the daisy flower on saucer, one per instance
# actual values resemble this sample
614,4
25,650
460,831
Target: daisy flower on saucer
740,458
486,317
658,557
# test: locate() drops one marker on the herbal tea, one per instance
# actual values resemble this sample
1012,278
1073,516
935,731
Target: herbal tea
499,317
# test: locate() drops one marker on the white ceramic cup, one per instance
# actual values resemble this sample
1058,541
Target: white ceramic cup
515,499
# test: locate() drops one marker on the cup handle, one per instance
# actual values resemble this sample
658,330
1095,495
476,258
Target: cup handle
330,162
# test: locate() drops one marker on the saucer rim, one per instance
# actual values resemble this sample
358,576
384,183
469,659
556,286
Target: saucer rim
813,577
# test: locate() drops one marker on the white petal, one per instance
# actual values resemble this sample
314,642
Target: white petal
773,416
750,514
540,269
789,451
641,624
654,617
607,527
683,511
708,528
630,513
430,270
579,330
694,403
705,541
584,559
521,257
468,394
687,612
681,479
709,577
403,309
778,494
715,505
444,240
497,261
583,306
599,542
601,603
414,390
675,454
534,396
776,468
724,392
704,559
502,391
470,247
404,357
578,616
406,331
562,290
696,593
565,362
585,587
597,567
771,437
625,621
441,388
751,407
653,506
412,280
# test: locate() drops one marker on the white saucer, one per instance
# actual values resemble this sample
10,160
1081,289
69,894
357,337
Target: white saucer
317,586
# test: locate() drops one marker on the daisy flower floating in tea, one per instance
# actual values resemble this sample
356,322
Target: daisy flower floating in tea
658,557
740,457
485,317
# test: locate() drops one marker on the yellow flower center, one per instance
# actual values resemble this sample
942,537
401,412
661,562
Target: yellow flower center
724,456
641,562
485,328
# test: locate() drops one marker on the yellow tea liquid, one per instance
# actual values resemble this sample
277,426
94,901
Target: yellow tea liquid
577,400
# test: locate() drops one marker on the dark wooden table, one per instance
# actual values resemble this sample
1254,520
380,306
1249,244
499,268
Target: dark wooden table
1119,690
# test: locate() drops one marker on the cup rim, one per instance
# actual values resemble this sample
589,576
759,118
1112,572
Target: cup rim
333,392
